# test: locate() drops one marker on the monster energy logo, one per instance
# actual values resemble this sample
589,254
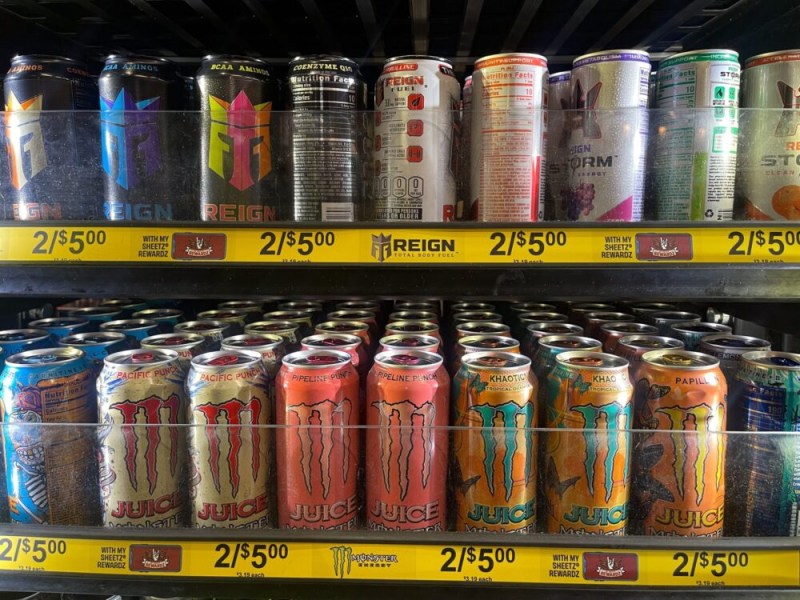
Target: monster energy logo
342,560
599,422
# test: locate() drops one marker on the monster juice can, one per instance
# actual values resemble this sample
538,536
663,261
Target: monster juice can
679,469
495,451
238,174
213,331
587,473
51,472
535,331
611,333
728,349
415,327
408,405
697,127
595,320
691,333
608,139
288,330
229,446
481,343
141,153
325,92
166,318
96,346
187,345
13,341
482,327
135,330
409,341
509,136
61,327
633,347
559,100
269,346
51,155
141,400
665,319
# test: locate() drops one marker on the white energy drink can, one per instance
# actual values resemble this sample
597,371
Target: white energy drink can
768,184
508,137
694,150
559,99
416,148
608,138
464,162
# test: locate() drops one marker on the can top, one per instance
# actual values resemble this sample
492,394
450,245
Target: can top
21,59
301,305
650,341
575,342
701,327
413,315
674,315
173,340
483,327
342,326
787,361
410,340
358,305
317,359
128,325
240,304
252,340
608,316
487,342
57,322
272,326
100,338
331,340
140,358
680,359
413,326
477,315
157,313
554,328
772,57
418,57
584,307
222,359
629,327
652,306
201,325
525,307
222,314
582,359
95,311
459,307
289,315
417,305
726,340
496,360
408,359
20,335
511,58
123,303
233,57
559,77
351,315
611,55
45,357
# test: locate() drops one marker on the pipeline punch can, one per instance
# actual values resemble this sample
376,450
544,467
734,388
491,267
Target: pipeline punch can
230,449
416,147
696,131
140,139
768,178
141,400
559,98
608,139
408,406
238,174
51,155
325,93
51,471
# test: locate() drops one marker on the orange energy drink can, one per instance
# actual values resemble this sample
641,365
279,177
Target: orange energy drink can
633,347
679,467
409,341
350,327
408,403
482,327
586,474
482,343
544,360
535,331
494,447
611,333
414,327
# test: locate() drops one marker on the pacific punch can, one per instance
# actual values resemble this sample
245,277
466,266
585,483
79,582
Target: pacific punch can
187,345
213,331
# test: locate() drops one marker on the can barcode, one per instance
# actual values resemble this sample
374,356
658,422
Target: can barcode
337,211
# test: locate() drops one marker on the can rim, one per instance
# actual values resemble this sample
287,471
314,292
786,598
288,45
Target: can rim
584,307
417,57
141,58
541,307
710,339
161,357
548,341
79,339
436,359
392,327
400,313
50,321
536,60
791,55
193,340
343,359
309,305
247,304
37,334
686,327
516,361
559,76
471,316
232,57
595,315
709,362
356,326
187,325
322,57
271,340
538,327
634,51
349,315
536,317
200,362
468,339
75,353
667,62
227,313
611,327
375,308
353,341
54,58
95,310
288,315
429,340
607,361
672,343
253,327
483,306
465,326
752,358
159,313
141,324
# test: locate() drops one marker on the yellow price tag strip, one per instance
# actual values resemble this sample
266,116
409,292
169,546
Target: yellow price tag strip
399,246
402,562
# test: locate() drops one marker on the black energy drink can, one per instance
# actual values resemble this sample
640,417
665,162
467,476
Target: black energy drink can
238,176
140,141
325,93
50,154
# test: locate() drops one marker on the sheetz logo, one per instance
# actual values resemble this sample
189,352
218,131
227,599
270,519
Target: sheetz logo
25,141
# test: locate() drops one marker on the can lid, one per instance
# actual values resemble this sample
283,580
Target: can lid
409,341
94,311
472,307
122,303
139,58
394,59
413,315
226,358
607,316
304,305
477,315
512,58
487,342
574,342
358,305
483,327
342,326
772,57
611,55
680,359
674,315
128,325
720,55
201,325
496,360
415,326
142,357
19,335
350,315
57,322
417,305
554,328
50,58
582,359
695,327
317,359
778,360
222,314
408,359
288,315
331,340
525,307
240,304
628,327
157,313
252,340
100,338
271,326
45,356
322,58
173,340
726,340
233,57
655,342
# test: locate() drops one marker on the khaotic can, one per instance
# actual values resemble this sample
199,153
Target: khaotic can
729,349
767,185
230,449
239,179
325,92
51,472
416,145
134,330
141,400
611,333
679,470
494,408
633,347
96,346
317,445
481,343
13,341
587,473
140,139
691,333
166,318
697,126
559,97
544,359
60,327
213,331
269,346
608,139
510,129
409,341
535,331
408,407
51,155
187,345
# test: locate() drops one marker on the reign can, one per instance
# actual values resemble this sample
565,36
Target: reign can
187,345
239,178
408,398
51,472
141,400
494,447
317,446
96,345
559,100
586,475
230,449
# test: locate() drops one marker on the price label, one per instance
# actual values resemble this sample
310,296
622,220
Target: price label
244,554
477,563
53,242
38,550
526,243
754,242
277,243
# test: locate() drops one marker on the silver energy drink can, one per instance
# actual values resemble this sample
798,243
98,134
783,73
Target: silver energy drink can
697,126
768,186
608,138
416,147
464,160
187,345
559,95
508,150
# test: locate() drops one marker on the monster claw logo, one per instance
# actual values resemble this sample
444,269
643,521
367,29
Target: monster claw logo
323,417
24,139
504,440
131,145
790,98
399,423
151,408
586,119
233,410
342,560
240,130
381,247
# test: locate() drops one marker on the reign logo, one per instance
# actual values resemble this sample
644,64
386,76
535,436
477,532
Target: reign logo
790,118
239,131
381,247
586,118
24,138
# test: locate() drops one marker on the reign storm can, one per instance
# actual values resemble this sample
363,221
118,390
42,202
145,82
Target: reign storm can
141,400
239,178
51,155
325,93
417,100
140,139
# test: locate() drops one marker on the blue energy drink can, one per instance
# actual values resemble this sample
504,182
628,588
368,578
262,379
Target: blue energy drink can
94,314
96,346
13,341
61,327
166,318
135,330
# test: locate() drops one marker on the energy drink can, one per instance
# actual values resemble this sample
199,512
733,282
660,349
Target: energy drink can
362,316
460,307
310,306
665,319
728,349
166,318
230,449
679,471
13,341
351,327
559,101
481,343
413,315
696,136
494,447
535,331
595,320
416,146
135,330
577,312
633,347
691,333
239,178
482,327
186,345
510,131
409,341
96,315
304,318
544,359
408,405
475,316
343,342
235,319
269,346
288,330
611,333
415,327
586,476
126,306
213,331
60,327
96,346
